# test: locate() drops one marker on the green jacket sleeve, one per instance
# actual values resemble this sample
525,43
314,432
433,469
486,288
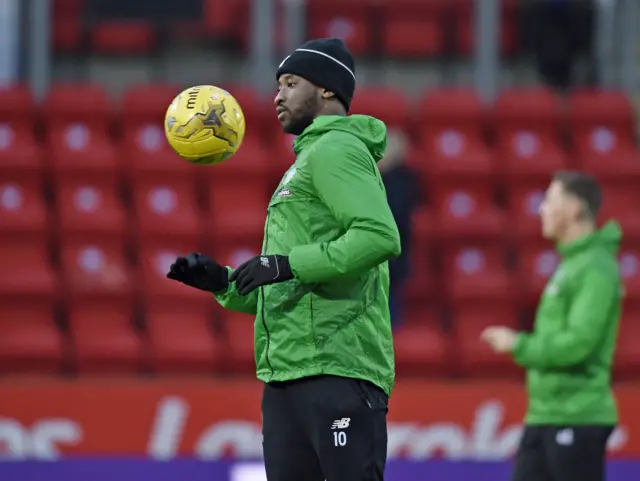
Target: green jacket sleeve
230,299
346,181
587,319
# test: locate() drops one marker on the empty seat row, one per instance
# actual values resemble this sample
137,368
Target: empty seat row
466,271
396,28
450,154
103,337
172,206
102,268
424,348
85,131
537,106
461,272
79,149
459,209
91,204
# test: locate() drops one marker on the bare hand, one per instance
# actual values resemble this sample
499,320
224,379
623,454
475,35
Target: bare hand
501,339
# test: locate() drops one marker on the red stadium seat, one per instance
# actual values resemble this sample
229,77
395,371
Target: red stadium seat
451,133
150,152
144,147
452,153
627,359
166,206
19,150
606,161
259,112
421,346
525,199
228,21
219,17
237,196
95,266
22,206
16,102
413,37
537,261
30,342
473,357
387,104
621,202
422,283
425,228
77,100
452,107
412,28
234,22
346,20
252,161
602,125
467,210
25,267
612,108
77,126
282,155
155,257
239,328
527,127
104,338
182,339
476,272
89,203
629,259
122,37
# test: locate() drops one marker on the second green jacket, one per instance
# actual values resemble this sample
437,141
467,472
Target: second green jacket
331,217
570,353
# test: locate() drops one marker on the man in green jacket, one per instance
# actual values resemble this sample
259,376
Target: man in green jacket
319,290
569,355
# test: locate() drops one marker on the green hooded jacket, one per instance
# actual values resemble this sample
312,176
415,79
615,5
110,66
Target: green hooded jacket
570,353
330,215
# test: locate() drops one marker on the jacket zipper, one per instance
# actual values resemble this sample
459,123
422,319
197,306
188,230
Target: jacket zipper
264,320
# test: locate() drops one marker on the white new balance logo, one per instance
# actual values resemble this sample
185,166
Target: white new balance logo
264,261
341,423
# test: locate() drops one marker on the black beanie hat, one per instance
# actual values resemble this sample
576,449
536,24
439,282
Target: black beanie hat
325,62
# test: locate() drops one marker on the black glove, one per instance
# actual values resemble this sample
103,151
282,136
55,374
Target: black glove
260,271
197,270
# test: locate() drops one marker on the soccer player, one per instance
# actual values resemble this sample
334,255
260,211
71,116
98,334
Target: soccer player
319,290
568,356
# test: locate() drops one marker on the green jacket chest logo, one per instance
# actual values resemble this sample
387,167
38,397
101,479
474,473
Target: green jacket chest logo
555,285
281,191
288,176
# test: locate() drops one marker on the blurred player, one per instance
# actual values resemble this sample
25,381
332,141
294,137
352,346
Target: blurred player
320,289
568,357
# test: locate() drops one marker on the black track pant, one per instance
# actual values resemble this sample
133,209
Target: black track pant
324,428
562,453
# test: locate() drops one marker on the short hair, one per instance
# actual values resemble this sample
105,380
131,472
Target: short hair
584,187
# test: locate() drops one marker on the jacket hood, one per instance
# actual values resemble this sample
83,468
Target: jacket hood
371,131
608,236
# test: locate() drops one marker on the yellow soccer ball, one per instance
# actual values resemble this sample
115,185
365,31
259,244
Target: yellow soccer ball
204,125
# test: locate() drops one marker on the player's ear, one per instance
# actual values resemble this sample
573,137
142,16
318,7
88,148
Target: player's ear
327,94
576,209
